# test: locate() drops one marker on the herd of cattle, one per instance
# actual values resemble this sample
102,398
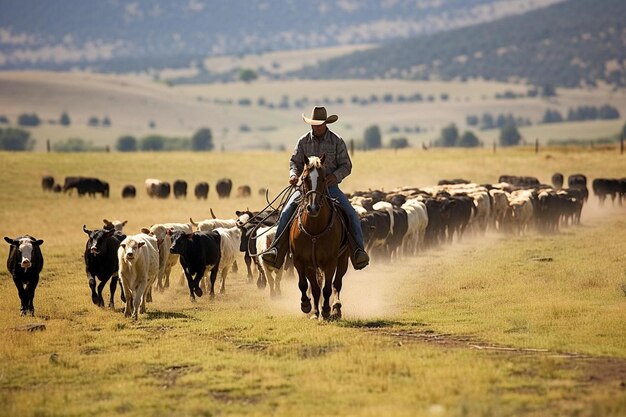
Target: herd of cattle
154,188
402,222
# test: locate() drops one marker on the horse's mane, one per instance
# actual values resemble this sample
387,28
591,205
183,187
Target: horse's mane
315,162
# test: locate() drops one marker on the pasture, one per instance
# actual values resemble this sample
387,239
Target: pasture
529,326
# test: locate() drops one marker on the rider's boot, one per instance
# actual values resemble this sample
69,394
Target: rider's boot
360,259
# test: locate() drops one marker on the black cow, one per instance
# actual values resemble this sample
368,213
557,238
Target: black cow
524,182
557,180
47,183
224,187
579,182
101,262
198,251
376,226
202,190
25,263
180,188
163,190
453,181
613,187
438,210
129,191
86,185
400,227
460,215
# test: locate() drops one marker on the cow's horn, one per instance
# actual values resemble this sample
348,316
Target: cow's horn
212,214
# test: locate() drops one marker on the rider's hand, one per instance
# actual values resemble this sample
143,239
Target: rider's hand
331,180
293,180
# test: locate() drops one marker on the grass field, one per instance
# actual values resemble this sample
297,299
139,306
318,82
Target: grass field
493,326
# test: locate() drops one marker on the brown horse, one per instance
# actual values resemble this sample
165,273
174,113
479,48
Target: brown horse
317,242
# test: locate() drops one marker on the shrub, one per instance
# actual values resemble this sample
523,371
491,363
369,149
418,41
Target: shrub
469,140
202,140
372,138
510,136
28,120
12,139
64,120
126,144
152,143
399,143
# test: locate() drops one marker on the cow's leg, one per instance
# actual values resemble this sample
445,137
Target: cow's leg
212,278
248,259
30,291
112,288
140,299
223,284
261,281
128,310
92,285
303,285
168,271
270,281
101,286
21,292
190,284
277,278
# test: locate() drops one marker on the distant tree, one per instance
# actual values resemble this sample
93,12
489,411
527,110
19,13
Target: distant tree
372,139
93,121
444,96
151,124
624,131
510,136
449,136
244,102
244,128
548,90
152,143
106,122
469,140
471,120
12,139
247,75
399,143
4,119
608,112
126,144
28,120
64,120
487,121
202,140
552,116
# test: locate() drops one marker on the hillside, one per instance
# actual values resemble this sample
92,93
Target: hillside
574,43
115,36
239,122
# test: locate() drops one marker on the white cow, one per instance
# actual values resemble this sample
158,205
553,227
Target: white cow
138,258
164,241
265,237
422,214
152,186
230,240
212,224
115,224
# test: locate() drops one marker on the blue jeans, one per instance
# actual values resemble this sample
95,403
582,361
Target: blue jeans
355,223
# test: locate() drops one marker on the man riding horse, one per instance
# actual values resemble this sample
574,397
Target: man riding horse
317,142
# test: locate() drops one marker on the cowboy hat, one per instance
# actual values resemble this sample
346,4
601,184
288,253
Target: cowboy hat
318,117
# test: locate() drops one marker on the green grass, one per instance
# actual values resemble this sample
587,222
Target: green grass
404,347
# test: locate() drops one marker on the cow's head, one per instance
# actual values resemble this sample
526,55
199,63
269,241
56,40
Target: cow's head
180,241
130,248
242,217
97,239
25,246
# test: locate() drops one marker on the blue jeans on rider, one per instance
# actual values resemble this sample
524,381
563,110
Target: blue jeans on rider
335,193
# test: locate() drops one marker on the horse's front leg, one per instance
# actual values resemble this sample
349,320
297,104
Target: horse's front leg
305,301
315,290
342,268
327,290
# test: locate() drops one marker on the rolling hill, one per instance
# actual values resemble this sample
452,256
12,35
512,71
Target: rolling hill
575,43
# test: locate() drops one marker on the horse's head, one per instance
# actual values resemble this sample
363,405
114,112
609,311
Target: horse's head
313,180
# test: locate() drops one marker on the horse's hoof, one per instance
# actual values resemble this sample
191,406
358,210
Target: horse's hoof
305,307
198,291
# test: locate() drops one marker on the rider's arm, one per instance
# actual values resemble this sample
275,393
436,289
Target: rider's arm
344,164
295,163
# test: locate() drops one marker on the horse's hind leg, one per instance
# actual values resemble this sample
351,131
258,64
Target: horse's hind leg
305,301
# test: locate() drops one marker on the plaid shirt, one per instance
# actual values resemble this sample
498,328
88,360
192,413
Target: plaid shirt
337,158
